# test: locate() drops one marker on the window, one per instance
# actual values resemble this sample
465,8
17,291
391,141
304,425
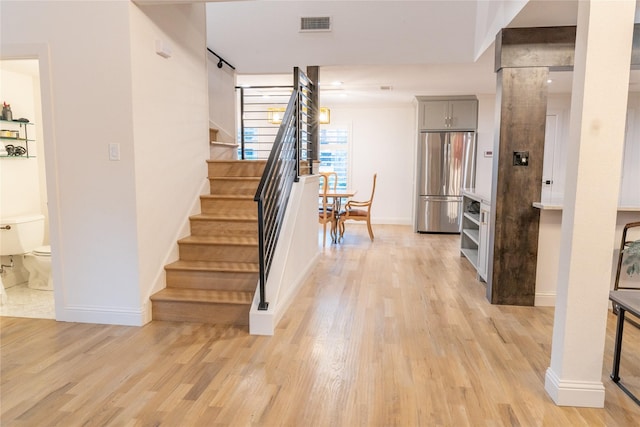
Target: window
334,153
251,143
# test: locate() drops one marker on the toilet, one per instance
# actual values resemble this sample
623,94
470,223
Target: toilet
38,264
23,235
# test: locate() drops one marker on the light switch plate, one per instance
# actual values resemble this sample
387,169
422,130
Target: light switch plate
114,151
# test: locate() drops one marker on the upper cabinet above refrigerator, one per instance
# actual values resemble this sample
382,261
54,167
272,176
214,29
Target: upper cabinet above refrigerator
447,113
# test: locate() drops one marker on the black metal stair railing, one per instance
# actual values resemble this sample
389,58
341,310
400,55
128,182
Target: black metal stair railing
261,109
291,149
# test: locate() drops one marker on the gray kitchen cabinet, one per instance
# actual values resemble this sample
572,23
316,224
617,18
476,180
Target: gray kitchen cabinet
447,113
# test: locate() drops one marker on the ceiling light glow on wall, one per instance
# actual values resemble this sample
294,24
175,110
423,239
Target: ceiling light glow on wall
275,115
325,116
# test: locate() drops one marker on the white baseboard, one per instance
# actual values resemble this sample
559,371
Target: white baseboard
585,394
545,299
391,221
102,315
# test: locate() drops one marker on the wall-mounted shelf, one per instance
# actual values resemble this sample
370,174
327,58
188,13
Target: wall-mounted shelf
21,142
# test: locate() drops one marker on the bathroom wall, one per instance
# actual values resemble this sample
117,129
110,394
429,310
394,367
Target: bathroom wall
19,183
22,180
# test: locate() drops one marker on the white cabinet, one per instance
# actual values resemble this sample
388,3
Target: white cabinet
474,238
483,244
457,113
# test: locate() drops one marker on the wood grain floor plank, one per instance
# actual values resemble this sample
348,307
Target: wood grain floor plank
395,333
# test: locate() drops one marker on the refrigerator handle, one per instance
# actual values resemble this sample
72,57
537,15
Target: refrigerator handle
447,164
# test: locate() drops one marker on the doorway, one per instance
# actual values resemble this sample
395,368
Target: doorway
23,187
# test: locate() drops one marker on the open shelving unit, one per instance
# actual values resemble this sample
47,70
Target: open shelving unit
470,237
21,141
474,238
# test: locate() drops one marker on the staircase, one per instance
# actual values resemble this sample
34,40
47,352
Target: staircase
216,275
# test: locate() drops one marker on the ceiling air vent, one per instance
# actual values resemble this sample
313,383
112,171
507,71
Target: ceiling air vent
315,23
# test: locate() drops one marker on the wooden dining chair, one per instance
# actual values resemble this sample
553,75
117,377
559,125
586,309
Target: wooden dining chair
326,215
329,180
328,183
358,211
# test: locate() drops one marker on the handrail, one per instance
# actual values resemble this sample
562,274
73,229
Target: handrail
221,60
281,171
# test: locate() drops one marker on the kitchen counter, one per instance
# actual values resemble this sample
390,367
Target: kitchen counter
470,193
557,205
549,242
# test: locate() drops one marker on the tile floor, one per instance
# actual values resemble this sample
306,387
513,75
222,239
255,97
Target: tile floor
24,302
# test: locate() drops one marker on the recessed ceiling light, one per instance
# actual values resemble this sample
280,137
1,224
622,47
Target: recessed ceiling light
336,83
549,81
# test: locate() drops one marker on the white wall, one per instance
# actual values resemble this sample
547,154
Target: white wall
630,185
171,132
384,140
222,99
295,256
93,229
88,103
485,143
491,17
560,105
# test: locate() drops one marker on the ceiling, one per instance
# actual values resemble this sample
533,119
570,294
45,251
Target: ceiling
419,47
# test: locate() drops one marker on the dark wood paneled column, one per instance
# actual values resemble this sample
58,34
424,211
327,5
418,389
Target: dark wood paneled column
522,99
524,57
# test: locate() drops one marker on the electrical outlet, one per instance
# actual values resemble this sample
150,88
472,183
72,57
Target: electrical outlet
520,158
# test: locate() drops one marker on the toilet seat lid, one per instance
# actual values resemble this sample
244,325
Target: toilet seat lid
42,251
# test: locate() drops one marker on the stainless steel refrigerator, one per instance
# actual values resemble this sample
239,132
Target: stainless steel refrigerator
446,164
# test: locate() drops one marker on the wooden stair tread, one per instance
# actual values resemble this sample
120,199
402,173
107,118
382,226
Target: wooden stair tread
236,178
236,161
230,215
215,278
235,267
204,296
227,196
221,240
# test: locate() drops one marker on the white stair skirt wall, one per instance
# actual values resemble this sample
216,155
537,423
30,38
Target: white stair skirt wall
296,253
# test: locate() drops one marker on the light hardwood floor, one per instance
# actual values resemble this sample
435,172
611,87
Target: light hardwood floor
395,332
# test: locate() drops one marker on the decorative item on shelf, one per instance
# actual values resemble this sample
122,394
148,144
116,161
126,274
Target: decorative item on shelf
6,112
15,151
6,133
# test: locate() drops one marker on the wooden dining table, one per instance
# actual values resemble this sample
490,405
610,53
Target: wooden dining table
336,197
